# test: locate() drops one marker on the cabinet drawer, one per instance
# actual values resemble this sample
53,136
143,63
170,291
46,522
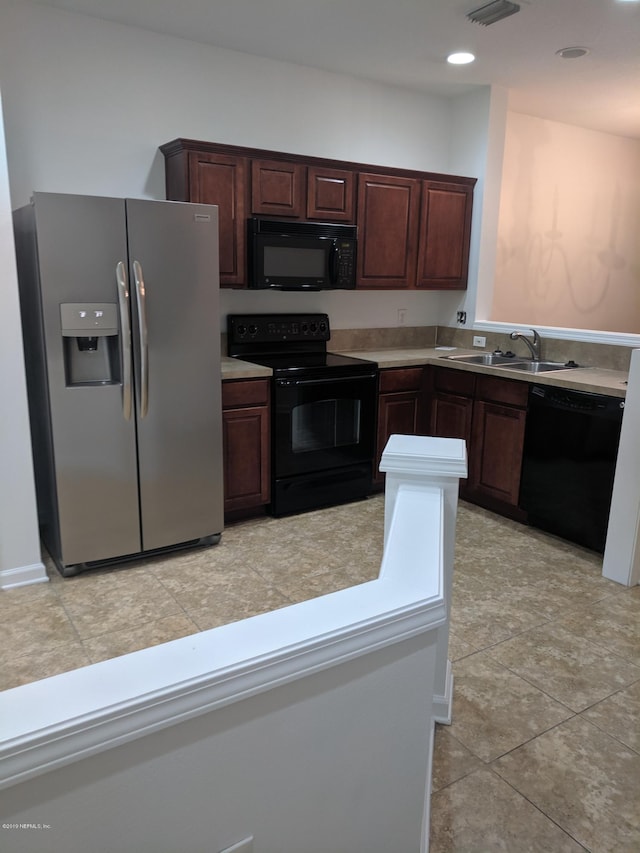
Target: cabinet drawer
401,379
508,391
454,381
245,392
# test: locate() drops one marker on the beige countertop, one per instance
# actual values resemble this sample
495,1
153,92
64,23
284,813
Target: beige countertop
593,379
234,368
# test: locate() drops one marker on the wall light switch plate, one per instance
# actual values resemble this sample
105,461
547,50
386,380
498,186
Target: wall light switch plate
245,846
479,341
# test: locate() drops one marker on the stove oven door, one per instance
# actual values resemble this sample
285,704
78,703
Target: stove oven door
323,440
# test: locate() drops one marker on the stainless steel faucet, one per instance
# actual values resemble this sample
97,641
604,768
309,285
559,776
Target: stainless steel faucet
534,346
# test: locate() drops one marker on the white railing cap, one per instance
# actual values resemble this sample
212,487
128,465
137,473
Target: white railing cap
425,455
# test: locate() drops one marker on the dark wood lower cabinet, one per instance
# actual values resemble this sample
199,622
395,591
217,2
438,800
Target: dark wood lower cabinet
401,408
452,407
497,443
497,439
489,413
246,444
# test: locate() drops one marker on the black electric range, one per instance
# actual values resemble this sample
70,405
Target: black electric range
323,405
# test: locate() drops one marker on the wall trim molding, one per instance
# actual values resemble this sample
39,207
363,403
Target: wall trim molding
23,576
592,336
443,704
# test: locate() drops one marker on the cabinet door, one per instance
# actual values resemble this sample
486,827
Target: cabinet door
221,179
246,443
496,462
445,230
451,416
397,414
330,194
246,457
388,212
277,188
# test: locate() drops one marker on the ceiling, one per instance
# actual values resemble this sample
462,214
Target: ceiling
405,43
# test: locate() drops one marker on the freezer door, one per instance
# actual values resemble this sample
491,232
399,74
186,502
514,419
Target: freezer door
173,257
90,444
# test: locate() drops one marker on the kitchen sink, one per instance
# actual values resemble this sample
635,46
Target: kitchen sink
509,362
539,366
487,358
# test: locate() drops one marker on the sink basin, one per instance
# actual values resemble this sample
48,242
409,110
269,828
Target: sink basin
487,358
538,366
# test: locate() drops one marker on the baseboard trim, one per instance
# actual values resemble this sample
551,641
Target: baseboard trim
23,576
442,705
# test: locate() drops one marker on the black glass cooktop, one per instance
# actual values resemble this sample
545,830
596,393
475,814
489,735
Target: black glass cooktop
325,364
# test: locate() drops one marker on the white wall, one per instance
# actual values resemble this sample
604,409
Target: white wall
19,546
621,561
568,249
87,103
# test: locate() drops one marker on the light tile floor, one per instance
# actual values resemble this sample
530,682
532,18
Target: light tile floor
544,750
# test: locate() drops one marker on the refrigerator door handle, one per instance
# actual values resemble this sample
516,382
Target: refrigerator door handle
141,297
125,326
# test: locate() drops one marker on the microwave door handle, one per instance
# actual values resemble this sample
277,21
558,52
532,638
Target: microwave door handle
333,262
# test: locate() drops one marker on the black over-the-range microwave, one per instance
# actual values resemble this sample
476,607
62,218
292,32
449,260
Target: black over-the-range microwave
301,255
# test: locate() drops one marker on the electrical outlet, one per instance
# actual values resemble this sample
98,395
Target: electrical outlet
402,316
479,341
245,846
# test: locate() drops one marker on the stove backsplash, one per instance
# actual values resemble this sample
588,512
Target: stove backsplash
606,356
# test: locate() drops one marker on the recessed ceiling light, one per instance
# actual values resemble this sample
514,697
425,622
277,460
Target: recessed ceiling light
572,52
460,58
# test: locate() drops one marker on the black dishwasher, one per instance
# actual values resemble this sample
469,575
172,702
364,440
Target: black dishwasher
570,449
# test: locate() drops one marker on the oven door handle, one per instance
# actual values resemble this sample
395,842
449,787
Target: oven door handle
327,381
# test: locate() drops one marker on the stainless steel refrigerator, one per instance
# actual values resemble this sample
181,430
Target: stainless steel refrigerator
119,300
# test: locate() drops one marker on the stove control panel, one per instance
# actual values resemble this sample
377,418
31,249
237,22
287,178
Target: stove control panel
277,328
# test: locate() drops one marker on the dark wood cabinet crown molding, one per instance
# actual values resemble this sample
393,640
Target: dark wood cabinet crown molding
179,145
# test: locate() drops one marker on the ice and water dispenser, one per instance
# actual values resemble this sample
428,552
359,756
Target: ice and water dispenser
90,338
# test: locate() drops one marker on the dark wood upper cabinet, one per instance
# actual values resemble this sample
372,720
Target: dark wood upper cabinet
210,177
388,218
277,188
445,231
330,194
413,227
221,180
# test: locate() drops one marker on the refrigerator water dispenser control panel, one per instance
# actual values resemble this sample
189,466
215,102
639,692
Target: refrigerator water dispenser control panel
90,343
88,318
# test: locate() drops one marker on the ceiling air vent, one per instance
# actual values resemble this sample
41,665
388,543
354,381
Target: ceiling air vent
493,12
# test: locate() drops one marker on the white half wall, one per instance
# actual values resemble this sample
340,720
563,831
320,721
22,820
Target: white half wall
335,762
309,728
